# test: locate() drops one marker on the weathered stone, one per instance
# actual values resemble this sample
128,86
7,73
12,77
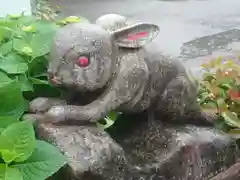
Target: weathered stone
86,147
232,173
151,150
148,150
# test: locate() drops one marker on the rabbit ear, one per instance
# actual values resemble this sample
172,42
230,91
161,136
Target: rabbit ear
135,36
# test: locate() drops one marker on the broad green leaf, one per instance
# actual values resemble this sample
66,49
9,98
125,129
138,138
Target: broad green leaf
7,120
45,27
44,162
41,43
4,79
231,119
7,23
14,56
13,68
26,85
20,139
29,28
13,64
37,66
22,47
5,33
38,81
12,101
7,155
14,16
9,173
26,20
6,47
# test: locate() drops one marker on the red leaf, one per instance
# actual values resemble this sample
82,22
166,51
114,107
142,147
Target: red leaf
234,94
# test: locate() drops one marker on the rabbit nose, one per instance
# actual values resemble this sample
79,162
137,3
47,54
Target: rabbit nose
51,74
52,78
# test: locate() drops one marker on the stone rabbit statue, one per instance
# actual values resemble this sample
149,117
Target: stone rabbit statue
106,68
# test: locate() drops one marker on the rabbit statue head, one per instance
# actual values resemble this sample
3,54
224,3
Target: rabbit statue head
84,56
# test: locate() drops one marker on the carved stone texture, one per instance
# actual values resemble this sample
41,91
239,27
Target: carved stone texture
137,80
232,173
151,151
86,147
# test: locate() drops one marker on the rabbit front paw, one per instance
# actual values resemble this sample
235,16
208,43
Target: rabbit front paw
56,114
43,104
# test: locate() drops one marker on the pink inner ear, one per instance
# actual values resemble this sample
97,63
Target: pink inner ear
137,35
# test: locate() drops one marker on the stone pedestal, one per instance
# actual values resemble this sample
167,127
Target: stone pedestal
151,151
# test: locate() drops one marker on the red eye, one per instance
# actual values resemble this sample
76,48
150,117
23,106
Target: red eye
83,61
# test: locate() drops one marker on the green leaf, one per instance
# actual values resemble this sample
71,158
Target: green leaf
13,67
72,19
209,106
41,43
9,173
107,124
26,20
12,101
29,29
113,115
42,40
46,27
231,119
6,47
225,86
4,79
5,121
37,66
19,141
38,81
22,47
203,97
219,123
4,33
109,120
7,155
222,106
26,85
44,162
234,133
13,64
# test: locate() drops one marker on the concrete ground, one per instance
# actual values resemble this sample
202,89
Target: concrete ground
189,28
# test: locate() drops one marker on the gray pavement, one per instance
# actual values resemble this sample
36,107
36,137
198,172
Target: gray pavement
189,29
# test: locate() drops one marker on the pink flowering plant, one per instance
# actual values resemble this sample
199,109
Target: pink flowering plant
219,92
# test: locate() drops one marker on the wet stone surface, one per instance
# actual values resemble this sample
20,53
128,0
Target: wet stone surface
147,150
